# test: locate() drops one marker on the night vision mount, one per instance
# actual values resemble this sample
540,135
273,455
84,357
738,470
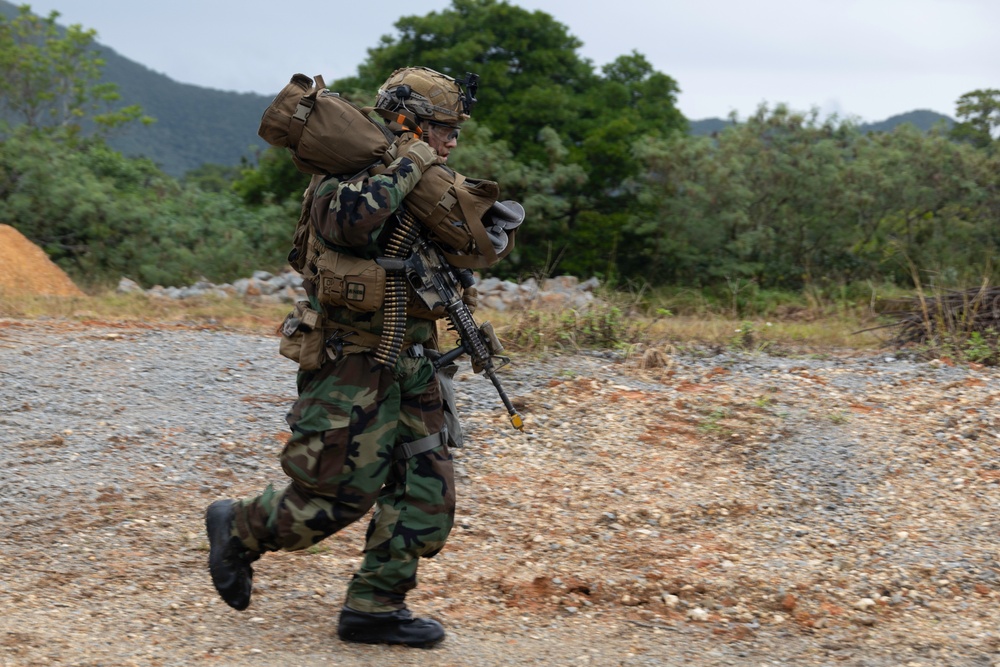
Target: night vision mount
469,85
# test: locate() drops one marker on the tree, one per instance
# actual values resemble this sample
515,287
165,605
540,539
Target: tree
274,178
527,62
979,114
101,216
541,99
50,77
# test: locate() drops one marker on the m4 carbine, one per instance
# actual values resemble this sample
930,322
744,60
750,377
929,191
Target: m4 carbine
439,284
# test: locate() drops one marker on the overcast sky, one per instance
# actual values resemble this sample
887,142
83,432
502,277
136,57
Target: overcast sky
868,59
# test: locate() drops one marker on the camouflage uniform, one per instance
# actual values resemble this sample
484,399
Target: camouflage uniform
350,420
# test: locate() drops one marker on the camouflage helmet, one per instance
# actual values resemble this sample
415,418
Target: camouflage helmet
424,94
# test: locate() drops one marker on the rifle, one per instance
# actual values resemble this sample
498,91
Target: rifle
437,283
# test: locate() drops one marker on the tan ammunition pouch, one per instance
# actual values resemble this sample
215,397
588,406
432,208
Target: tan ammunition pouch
343,280
302,337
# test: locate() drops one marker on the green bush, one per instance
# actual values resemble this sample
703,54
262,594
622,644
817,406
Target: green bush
101,216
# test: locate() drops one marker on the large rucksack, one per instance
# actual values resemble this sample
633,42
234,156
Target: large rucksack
325,133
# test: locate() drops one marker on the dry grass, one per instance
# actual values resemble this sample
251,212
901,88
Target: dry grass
826,331
521,331
534,332
142,309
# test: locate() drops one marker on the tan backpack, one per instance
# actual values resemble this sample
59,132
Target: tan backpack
325,133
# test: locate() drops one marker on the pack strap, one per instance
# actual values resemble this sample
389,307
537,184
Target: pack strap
406,450
297,124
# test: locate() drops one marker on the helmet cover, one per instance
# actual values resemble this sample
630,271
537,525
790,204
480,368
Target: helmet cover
427,95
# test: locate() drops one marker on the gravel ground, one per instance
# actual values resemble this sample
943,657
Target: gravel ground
722,510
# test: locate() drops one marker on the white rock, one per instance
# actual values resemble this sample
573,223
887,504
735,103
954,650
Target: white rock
698,614
126,286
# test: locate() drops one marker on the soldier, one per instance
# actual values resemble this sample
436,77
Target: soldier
363,434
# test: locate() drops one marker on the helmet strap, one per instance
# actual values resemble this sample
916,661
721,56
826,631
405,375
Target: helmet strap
400,122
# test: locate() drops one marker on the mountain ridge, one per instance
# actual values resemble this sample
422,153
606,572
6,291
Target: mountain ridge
922,119
193,125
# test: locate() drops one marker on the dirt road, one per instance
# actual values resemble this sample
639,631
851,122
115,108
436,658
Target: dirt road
727,510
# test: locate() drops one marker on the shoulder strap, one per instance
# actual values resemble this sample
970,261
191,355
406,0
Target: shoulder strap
389,135
305,106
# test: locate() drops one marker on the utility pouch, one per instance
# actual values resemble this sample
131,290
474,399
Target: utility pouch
302,338
343,280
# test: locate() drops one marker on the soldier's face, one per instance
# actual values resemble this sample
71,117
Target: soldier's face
441,138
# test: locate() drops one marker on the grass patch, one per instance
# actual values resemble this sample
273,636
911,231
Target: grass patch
633,329
317,549
839,417
711,422
626,322
140,308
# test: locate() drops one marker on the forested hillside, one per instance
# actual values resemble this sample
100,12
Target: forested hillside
921,119
193,125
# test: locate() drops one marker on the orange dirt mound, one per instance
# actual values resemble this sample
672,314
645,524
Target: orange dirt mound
25,269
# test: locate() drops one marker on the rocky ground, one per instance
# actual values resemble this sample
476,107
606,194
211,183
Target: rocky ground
732,509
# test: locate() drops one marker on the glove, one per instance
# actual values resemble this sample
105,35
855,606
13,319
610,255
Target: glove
470,297
419,152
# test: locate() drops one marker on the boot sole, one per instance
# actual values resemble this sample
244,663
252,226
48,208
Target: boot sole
375,640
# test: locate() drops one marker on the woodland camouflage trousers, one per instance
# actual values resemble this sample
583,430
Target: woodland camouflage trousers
349,416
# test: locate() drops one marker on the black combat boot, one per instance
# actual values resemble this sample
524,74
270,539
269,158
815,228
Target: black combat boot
389,627
228,560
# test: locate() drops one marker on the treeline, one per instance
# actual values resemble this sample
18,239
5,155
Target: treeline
786,200
98,214
613,183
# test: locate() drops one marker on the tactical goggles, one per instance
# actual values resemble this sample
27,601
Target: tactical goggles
444,133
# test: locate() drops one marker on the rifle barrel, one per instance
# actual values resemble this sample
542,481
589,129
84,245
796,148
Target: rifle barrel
515,418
